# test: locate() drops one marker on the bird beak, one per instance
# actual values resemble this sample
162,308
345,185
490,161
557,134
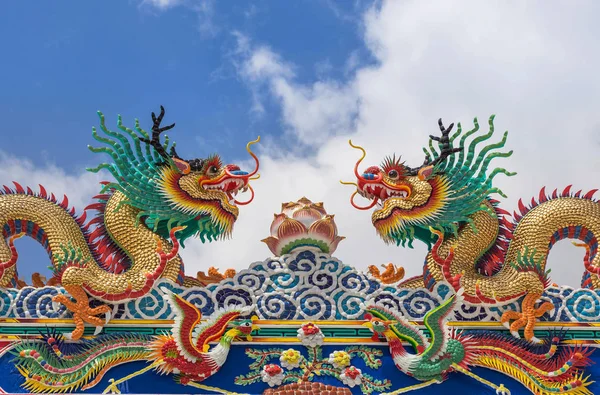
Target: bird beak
254,328
369,325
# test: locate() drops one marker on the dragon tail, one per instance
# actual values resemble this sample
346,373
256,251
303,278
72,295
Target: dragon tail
50,365
545,369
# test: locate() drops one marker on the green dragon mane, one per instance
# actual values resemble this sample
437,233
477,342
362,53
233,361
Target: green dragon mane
138,170
465,178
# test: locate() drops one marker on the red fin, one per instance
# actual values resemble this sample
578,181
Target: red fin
501,211
81,219
95,206
18,187
543,197
517,217
65,202
590,194
522,207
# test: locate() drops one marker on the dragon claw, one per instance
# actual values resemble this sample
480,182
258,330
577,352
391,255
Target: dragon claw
527,318
107,318
82,312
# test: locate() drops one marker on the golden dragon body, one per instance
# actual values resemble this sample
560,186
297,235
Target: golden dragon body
157,201
472,242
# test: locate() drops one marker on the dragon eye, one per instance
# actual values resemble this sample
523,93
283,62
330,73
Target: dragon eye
378,323
246,324
393,174
213,170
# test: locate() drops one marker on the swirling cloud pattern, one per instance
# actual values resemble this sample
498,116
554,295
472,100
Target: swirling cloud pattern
302,285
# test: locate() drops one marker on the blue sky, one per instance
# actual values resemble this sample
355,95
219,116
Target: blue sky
70,59
306,76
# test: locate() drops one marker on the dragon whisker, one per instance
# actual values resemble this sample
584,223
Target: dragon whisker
362,208
253,156
248,201
348,183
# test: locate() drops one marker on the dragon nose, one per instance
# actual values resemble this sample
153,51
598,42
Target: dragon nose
235,170
368,176
371,172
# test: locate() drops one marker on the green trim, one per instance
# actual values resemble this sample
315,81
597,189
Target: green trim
286,332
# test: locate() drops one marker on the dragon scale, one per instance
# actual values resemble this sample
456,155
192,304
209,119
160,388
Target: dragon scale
157,201
534,233
473,243
61,229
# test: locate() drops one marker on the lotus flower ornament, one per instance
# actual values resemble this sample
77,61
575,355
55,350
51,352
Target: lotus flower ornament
303,224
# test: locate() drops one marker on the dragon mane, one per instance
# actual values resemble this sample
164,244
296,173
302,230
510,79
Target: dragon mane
141,174
463,179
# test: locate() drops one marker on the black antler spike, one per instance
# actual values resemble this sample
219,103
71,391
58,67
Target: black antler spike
444,141
156,131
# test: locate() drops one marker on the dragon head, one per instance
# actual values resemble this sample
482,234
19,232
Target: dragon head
199,194
441,194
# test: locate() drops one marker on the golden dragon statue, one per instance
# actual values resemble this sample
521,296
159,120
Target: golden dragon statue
473,243
155,203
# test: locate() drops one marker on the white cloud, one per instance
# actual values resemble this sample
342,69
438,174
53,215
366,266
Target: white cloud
311,113
162,4
532,66
535,67
79,187
204,10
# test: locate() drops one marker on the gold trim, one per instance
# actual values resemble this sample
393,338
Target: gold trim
290,323
333,340
70,322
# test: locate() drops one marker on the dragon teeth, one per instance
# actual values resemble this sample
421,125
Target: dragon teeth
236,185
369,190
